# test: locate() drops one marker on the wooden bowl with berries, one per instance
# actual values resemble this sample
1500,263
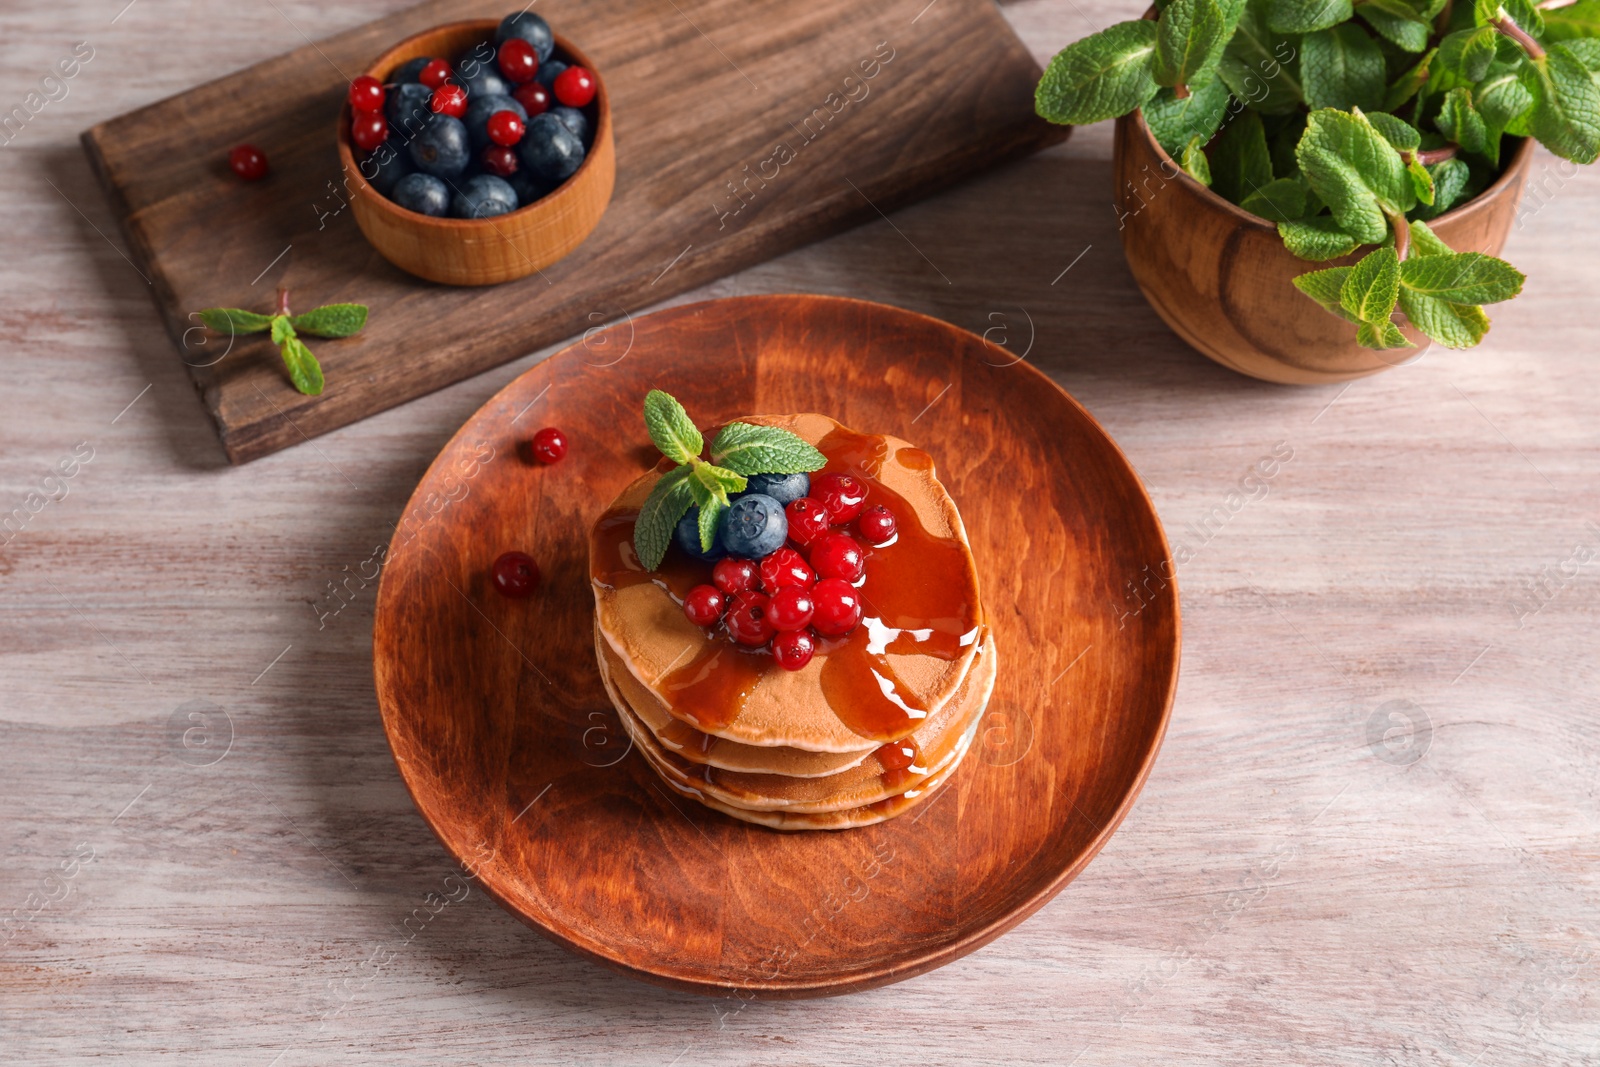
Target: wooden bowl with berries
479,151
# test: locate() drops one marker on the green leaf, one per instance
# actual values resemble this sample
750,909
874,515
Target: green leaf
708,522
1373,286
1421,181
1317,239
669,500
1261,66
1305,16
1380,335
1503,97
1176,122
234,320
670,428
1581,19
1343,68
331,320
1462,277
1356,172
718,481
1587,49
1277,201
1408,34
1523,12
1397,132
1100,77
1240,162
1466,54
304,370
750,449
282,329
1195,163
1460,122
1406,86
1451,325
1449,182
1189,41
1566,105
1424,242
1324,286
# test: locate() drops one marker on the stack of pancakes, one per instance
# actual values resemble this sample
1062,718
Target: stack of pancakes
780,756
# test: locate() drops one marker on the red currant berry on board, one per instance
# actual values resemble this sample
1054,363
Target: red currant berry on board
791,608
499,160
808,520
448,100
534,98
505,127
574,87
248,162
838,556
549,445
368,129
785,567
704,605
836,607
434,74
747,619
518,60
734,575
793,649
516,575
877,525
841,494
366,94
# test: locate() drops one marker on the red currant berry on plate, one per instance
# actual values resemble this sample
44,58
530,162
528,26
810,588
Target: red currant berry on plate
841,494
248,162
877,525
499,160
836,607
704,605
808,520
785,567
838,556
793,649
518,60
549,445
791,608
534,98
505,127
574,87
516,574
734,575
434,74
366,94
449,100
748,621
368,129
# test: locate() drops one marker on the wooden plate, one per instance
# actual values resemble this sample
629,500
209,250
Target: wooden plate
502,731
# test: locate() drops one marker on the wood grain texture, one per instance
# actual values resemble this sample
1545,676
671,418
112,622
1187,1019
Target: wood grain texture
741,133
492,705
1281,893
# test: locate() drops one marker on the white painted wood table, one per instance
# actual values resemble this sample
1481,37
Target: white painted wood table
1305,880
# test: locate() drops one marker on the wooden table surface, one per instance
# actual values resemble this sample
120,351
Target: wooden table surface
1370,838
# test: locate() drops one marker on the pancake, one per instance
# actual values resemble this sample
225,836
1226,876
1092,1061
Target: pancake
833,705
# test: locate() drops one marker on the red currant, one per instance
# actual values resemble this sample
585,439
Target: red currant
504,126
748,621
518,61
838,556
734,575
549,445
704,605
808,520
841,494
516,574
248,162
574,87
836,607
534,98
435,74
368,129
793,649
366,94
791,608
876,525
448,100
785,567
499,160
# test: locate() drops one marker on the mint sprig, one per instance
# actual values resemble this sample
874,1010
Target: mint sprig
330,320
740,450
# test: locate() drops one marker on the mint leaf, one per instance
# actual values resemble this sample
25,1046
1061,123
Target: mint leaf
1100,77
1451,325
1240,162
1587,49
1317,239
1398,132
1189,41
1277,201
1581,19
1261,66
669,500
1175,123
1407,33
1503,97
709,521
1342,67
234,320
670,428
1449,182
1421,182
1460,121
1356,172
304,371
1324,287
281,329
331,320
1566,105
1304,16
1195,163
1462,277
1408,84
1373,286
717,481
1466,54
746,448
1424,242
1381,335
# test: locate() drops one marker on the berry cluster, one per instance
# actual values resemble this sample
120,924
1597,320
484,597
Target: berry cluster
787,569
503,126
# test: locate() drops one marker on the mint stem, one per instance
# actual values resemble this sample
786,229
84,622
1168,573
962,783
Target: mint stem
283,301
1429,156
1180,91
1517,34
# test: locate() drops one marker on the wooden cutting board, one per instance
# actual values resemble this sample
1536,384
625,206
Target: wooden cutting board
744,129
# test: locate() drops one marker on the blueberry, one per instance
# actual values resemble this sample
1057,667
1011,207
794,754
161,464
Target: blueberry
531,28
529,188
574,120
754,526
424,194
481,78
387,164
784,488
406,108
688,537
478,112
549,149
410,69
482,197
441,148
547,73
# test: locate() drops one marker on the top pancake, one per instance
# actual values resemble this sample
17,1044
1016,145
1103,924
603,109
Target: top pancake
644,624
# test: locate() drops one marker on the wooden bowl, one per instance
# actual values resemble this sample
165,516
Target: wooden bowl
1221,278
492,250
503,733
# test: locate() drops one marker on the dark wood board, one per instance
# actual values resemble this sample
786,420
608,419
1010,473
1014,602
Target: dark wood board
700,91
504,735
